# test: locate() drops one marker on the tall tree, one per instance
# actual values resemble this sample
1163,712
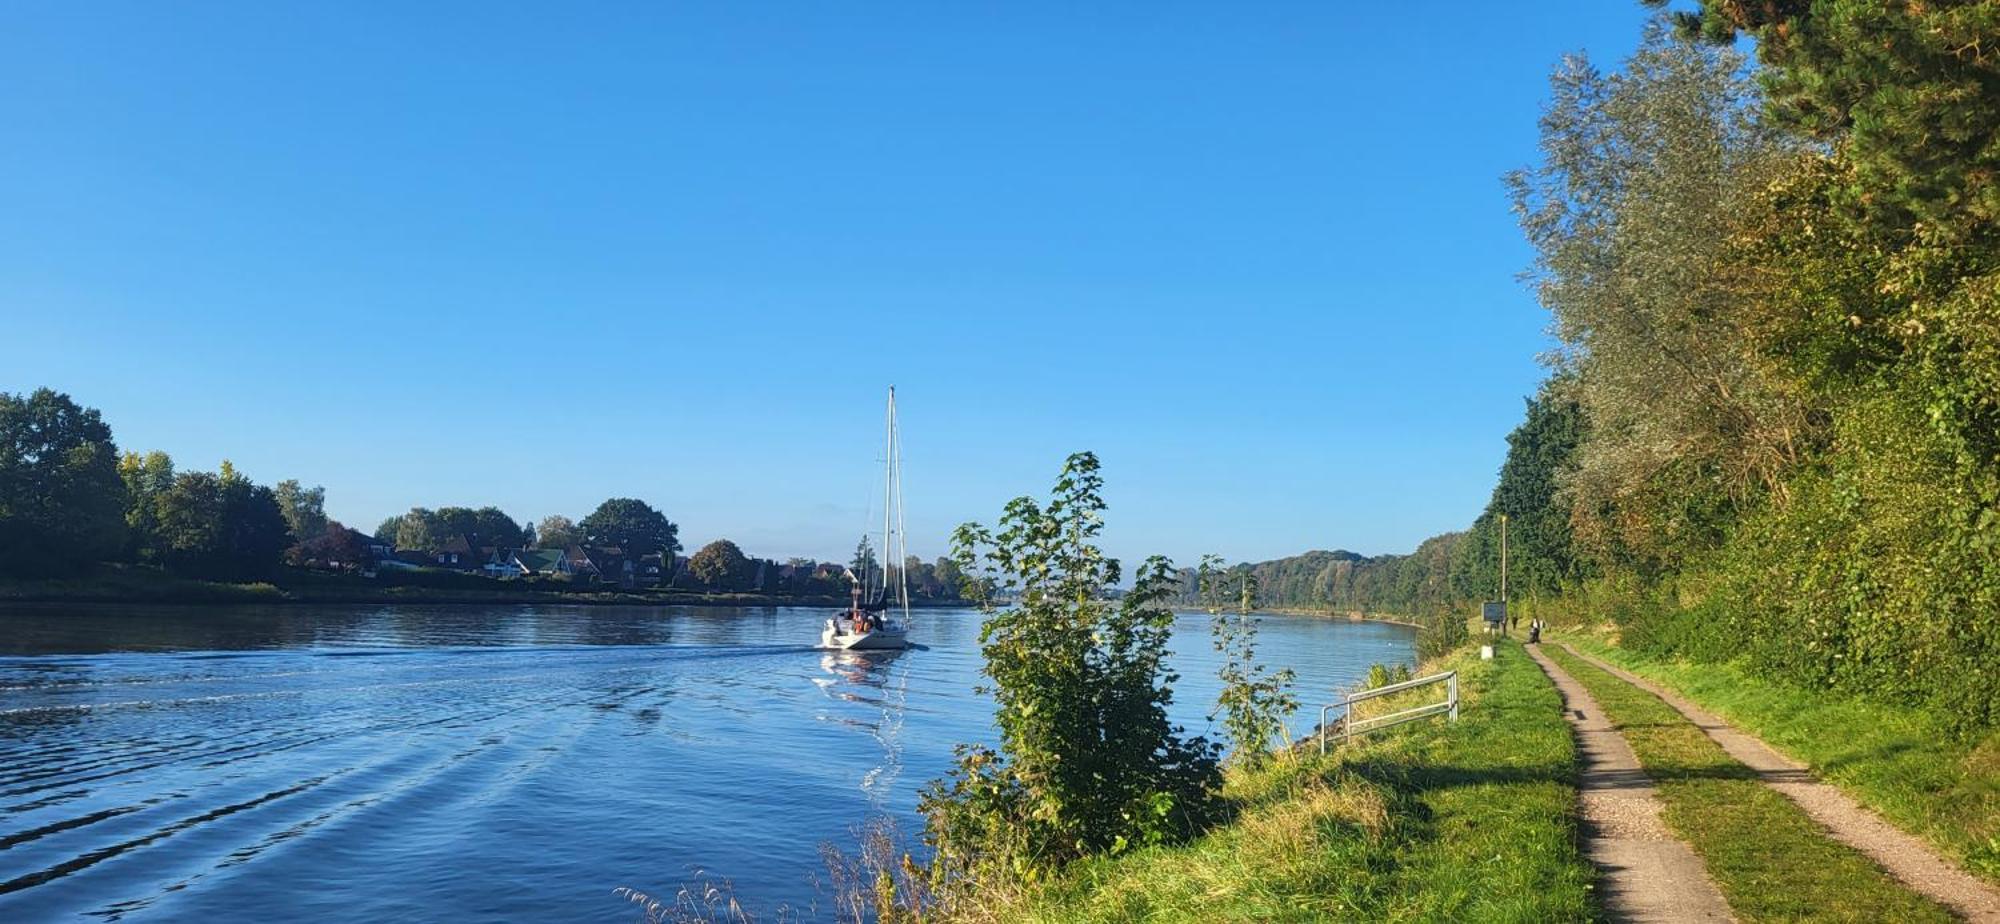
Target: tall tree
1907,88
221,526
866,569
418,530
721,565
557,532
62,502
447,522
632,525
1652,299
493,527
146,477
1541,454
304,508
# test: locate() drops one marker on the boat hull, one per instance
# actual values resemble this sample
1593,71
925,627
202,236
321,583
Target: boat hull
881,639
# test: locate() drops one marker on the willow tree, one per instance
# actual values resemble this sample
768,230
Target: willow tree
1633,214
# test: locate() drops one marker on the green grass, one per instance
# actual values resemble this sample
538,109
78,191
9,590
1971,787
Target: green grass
1771,860
1473,821
122,583
1898,761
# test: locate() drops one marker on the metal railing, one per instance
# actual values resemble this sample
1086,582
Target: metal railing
1349,728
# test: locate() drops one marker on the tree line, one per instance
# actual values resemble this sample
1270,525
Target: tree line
70,500
1776,292
1771,426
1435,585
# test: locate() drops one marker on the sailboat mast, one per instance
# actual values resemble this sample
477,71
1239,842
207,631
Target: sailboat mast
888,489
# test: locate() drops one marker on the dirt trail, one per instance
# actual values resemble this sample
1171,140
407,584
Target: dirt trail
1647,874
1910,860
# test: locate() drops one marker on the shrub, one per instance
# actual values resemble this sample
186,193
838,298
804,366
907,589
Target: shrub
1088,761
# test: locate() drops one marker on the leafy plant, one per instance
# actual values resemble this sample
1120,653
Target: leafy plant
1255,701
1088,761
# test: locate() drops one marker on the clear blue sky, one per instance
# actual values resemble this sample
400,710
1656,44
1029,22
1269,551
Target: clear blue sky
1257,256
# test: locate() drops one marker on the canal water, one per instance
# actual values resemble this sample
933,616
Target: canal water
451,763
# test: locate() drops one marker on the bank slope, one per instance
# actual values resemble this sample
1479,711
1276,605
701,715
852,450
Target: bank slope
1473,821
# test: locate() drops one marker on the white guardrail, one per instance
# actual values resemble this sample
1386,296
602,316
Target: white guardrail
1349,728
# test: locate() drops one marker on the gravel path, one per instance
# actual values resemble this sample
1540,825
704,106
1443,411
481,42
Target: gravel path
1646,873
1911,861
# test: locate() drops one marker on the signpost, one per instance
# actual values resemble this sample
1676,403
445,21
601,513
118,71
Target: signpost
1495,612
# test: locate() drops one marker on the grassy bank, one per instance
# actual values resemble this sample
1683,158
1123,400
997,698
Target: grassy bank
1898,761
112,583
1473,821
1771,860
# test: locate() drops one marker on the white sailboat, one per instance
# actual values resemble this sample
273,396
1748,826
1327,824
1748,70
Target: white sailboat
869,624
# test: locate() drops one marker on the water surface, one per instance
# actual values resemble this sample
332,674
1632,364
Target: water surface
369,763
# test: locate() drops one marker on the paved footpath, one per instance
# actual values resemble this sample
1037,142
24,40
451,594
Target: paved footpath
1645,873
1910,860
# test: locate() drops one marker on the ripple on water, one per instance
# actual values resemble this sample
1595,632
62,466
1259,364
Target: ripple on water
408,763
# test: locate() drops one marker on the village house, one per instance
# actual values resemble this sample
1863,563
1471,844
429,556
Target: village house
541,563
457,554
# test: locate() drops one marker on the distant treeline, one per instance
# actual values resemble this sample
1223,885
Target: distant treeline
1342,581
70,500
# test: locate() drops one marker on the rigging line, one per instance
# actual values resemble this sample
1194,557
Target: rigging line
902,531
888,488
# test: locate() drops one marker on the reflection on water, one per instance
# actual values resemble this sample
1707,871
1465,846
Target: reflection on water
420,763
864,678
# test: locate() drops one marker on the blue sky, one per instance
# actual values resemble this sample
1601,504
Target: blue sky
1256,256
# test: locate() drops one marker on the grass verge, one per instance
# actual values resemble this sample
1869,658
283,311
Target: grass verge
1898,761
1771,860
1473,821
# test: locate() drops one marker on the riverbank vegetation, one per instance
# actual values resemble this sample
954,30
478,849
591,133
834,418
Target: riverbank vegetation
1094,807
1256,701
1770,436
1467,821
1778,301
1765,466
1088,762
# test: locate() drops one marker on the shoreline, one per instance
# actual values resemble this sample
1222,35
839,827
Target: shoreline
113,585
1349,616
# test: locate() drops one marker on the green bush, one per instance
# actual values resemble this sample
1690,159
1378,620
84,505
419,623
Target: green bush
1088,761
